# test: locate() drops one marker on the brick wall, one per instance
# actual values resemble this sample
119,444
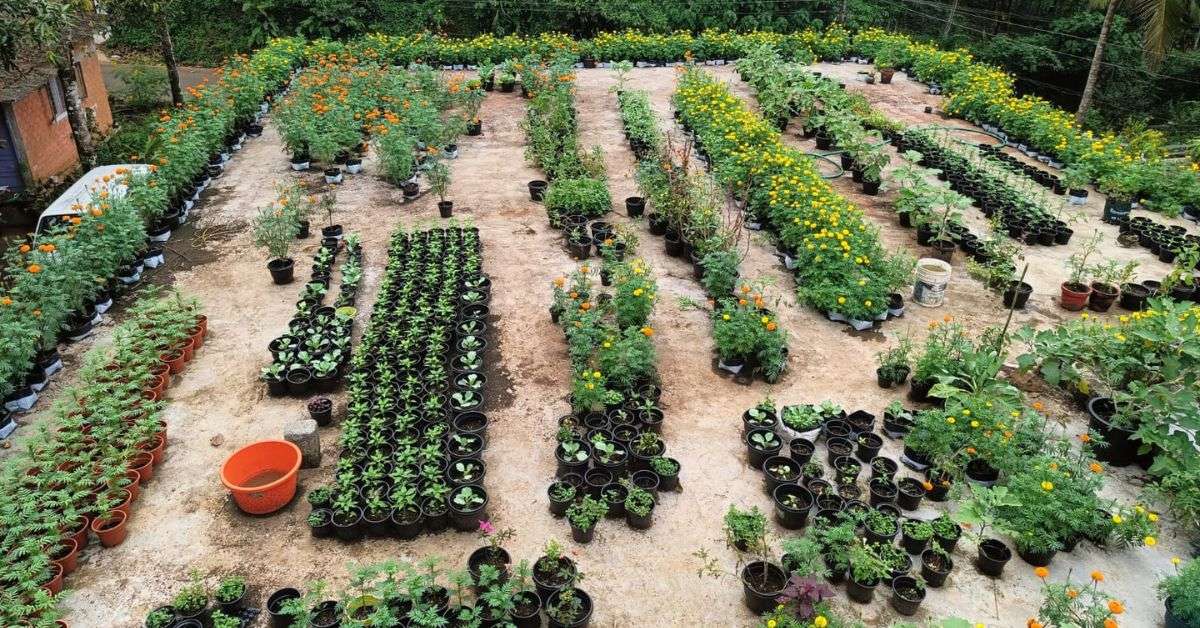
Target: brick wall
49,147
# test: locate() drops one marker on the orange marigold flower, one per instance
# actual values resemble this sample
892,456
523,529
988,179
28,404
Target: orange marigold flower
1085,438
46,248
647,331
1115,607
1072,593
1098,576
24,248
585,306
1110,623
37,313
6,301
1041,572
745,289
1033,623
1096,468
559,281
34,269
772,326
1037,405
927,485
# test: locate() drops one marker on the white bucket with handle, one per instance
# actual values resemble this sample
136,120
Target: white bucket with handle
933,275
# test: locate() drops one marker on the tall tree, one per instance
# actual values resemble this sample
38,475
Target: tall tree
47,28
1161,21
156,10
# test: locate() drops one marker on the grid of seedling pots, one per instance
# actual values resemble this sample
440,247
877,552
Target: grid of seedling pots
825,489
414,432
314,353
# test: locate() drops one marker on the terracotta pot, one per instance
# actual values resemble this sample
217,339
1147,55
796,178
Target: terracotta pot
124,505
111,528
187,347
150,395
157,385
135,484
173,359
162,430
202,323
1074,300
79,533
155,447
162,369
70,561
54,586
143,463
197,336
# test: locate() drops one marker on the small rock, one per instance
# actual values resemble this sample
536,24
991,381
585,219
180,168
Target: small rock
216,441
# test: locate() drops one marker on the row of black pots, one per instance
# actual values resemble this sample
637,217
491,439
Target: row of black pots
1165,241
1044,178
432,516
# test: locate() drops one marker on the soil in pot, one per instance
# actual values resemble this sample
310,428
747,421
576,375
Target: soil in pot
935,567
762,583
907,595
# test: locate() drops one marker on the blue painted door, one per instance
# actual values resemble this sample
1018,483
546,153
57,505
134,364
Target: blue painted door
10,168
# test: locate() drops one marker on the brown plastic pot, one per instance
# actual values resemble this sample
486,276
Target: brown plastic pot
111,528
1073,298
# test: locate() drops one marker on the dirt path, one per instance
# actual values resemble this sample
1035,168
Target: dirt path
185,520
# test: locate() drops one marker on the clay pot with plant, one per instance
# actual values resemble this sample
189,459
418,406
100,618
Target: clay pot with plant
1076,290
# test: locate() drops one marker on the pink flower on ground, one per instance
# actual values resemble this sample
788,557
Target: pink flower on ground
486,528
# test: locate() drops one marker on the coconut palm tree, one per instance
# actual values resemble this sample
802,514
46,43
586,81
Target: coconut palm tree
1161,20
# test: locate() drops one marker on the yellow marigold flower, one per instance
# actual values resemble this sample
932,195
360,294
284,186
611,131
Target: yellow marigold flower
1150,541
1047,485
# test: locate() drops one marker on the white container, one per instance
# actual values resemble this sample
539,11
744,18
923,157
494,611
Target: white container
933,275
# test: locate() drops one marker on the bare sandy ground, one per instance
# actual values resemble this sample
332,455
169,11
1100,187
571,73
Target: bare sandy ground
185,520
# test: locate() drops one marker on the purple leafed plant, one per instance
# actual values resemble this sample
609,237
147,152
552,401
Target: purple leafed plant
802,595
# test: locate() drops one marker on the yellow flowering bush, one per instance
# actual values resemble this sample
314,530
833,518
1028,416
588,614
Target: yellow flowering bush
842,267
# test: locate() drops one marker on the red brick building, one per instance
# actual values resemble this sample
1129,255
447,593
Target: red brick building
35,135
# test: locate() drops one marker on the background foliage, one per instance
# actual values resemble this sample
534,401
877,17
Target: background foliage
1047,43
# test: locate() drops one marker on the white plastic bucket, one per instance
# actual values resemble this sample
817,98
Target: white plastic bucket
932,277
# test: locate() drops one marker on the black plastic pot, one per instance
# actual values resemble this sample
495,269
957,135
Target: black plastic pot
275,605
585,601
634,206
281,270
935,568
1017,294
1133,297
860,592
993,556
787,516
1037,559
1120,449
537,190
762,583
906,595
445,208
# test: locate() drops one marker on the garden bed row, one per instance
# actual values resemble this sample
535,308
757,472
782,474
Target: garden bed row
314,353
85,476
491,590
693,216
1126,169
840,266
414,433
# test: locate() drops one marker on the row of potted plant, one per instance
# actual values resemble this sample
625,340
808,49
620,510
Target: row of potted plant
840,266
1024,209
414,433
490,590
690,212
827,112
195,606
314,353
84,475
1126,168
576,190
610,453
713,46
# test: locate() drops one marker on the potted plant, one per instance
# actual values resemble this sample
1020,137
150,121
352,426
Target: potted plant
192,600
1110,276
583,517
1181,594
230,594
639,507
274,230
867,570
745,529
1076,290
982,511
321,410
886,67
1075,179
894,364
439,182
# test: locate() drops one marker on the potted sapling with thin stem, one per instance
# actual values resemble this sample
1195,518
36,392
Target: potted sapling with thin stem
439,182
274,230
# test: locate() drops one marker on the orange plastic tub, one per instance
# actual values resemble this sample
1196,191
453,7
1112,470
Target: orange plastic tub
262,476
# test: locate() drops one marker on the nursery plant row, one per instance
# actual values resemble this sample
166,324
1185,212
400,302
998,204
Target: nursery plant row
610,454
839,264
314,353
414,433
67,274
490,591
693,216
1127,169
83,478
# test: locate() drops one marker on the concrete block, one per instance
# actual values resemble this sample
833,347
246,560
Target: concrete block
303,433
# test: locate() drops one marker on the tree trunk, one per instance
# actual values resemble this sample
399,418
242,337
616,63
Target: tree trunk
168,54
1085,102
81,132
842,14
950,20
